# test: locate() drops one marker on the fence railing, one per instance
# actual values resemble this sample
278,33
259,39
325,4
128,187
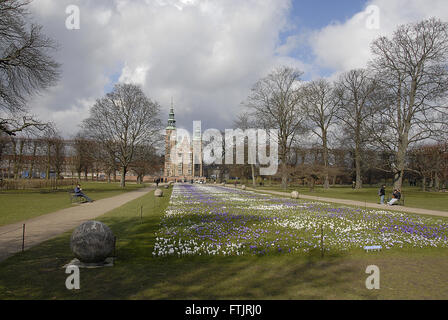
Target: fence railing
21,184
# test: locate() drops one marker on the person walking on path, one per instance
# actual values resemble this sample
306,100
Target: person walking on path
382,193
79,193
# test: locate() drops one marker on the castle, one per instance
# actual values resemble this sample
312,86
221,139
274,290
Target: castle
183,156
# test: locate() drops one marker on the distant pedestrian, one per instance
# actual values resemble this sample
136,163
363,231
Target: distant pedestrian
382,193
353,184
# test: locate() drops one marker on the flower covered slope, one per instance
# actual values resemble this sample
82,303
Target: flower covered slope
211,220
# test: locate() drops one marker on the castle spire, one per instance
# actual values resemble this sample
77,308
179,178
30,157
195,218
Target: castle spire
171,120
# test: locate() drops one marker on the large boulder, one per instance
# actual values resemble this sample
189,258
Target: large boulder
295,195
92,242
158,193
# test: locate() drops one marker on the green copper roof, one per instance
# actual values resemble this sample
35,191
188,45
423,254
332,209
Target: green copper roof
171,120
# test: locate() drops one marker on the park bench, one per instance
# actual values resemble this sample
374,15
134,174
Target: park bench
400,202
74,198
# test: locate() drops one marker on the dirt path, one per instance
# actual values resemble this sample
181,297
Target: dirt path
361,204
47,226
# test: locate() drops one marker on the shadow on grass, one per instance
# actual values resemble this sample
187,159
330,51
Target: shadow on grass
137,274
38,273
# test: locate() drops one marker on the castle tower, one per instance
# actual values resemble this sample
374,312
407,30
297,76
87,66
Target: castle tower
185,163
170,141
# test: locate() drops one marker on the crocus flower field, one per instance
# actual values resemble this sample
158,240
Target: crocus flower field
216,220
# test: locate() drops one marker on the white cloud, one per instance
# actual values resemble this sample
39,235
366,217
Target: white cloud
343,46
135,75
204,54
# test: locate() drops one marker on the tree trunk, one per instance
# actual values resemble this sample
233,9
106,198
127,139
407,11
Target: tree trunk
358,184
20,164
398,174
47,171
123,176
252,167
325,156
312,184
436,182
284,175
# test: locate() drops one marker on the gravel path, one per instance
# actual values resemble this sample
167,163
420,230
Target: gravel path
361,204
47,226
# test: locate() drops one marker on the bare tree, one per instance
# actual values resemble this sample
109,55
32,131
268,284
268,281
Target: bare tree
429,161
244,122
412,67
320,107
355,91
274,105
26,66
146,161
122,120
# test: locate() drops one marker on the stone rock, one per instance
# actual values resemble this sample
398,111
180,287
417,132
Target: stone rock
243,187
92,242
167,186
295,195
158,193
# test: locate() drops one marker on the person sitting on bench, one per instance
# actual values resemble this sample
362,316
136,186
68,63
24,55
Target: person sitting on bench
79,193
396,195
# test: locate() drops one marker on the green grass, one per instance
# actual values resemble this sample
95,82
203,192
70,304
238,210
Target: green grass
18,205
38,273
413,196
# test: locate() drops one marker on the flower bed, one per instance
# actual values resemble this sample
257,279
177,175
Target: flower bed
212,220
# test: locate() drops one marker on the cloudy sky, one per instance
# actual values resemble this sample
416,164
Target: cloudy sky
206,54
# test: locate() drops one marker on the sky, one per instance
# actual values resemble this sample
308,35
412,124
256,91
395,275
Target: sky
205,54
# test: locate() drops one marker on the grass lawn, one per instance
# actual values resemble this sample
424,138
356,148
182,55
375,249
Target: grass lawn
413,196
18,205
38,274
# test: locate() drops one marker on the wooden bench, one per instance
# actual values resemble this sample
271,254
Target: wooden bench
400,202
75,198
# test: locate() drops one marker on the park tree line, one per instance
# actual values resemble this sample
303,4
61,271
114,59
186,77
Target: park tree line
389,115
121,132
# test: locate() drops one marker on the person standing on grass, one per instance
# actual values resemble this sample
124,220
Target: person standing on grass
79,193
382,193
